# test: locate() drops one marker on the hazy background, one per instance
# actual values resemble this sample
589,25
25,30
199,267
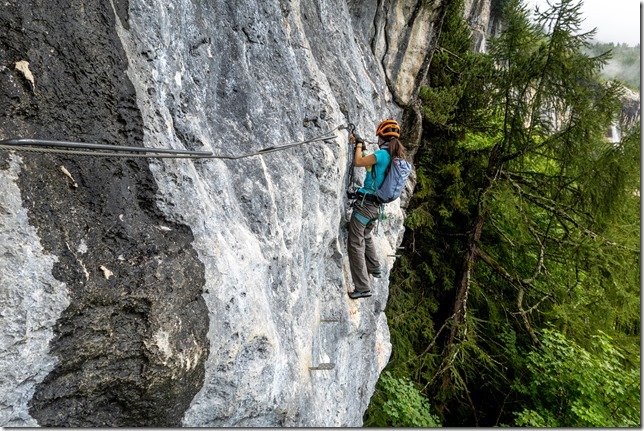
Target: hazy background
617,21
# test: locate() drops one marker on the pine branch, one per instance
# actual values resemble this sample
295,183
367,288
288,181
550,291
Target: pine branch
498,418
535,306
469,398
541,183
520,284
433,342
447,51
556,208
560,188
500,231
524,314
537,270
492,263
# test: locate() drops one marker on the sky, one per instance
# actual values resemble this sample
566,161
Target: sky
616,21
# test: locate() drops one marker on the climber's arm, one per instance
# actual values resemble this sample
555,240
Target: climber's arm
363,161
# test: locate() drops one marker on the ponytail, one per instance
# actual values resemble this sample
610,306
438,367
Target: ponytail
396,149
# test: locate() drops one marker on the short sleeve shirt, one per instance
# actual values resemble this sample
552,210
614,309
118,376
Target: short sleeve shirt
382,161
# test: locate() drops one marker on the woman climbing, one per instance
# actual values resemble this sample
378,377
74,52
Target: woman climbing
363,258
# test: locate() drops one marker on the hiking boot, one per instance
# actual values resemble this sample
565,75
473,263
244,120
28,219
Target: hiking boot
359,294
377,273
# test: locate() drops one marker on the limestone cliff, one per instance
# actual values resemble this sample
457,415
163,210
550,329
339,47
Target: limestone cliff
177,292
483,17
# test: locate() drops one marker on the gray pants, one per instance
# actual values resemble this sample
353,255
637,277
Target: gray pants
362,252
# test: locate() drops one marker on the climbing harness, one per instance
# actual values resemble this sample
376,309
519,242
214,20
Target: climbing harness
102,150
362,219
365,220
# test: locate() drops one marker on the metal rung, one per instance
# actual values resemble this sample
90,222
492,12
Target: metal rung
330,319
323,366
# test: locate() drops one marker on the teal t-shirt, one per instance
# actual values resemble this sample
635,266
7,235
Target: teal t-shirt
382,161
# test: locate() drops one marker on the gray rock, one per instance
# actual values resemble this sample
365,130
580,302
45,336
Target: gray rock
30,302
167,292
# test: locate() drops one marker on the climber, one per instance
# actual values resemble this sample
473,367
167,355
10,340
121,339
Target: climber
367,207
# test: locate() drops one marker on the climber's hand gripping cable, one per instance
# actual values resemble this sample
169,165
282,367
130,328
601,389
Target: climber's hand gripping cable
354,139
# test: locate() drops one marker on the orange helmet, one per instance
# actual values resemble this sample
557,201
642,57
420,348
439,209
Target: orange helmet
388,129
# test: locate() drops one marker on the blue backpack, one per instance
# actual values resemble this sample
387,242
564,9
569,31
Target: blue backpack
395,180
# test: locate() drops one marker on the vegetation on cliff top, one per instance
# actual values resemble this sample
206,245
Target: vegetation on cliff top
624,64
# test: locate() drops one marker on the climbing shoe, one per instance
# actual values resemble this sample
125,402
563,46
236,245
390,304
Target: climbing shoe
377,273
359,294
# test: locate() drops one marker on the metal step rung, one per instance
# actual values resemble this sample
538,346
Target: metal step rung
323,366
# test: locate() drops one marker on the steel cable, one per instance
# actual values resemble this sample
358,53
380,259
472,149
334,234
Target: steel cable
86,149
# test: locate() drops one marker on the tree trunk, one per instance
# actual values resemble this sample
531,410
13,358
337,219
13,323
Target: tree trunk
459,316
460,302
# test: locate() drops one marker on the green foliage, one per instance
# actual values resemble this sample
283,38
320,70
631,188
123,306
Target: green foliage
439,104
569,386
402,405
478,141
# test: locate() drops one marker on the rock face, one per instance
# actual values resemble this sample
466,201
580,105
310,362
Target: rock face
483,17
178,292
631,111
